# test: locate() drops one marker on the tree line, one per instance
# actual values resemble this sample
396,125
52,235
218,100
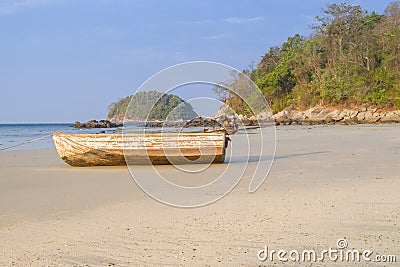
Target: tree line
351,58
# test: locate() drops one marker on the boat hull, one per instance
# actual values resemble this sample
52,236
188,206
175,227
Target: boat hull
83,150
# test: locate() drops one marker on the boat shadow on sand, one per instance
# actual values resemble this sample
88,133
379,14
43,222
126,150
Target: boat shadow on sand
241,159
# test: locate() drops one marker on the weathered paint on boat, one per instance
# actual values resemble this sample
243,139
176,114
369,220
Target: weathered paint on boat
81,150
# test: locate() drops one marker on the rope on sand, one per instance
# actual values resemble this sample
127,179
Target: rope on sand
26,142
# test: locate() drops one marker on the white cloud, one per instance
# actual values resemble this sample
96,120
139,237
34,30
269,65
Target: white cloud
12,6
197,22
231,20
215,37
241,20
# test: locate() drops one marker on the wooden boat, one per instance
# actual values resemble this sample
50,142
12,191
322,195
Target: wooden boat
83,150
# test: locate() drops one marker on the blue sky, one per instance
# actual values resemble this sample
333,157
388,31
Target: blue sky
67,60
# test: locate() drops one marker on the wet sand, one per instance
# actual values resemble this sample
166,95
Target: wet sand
327,182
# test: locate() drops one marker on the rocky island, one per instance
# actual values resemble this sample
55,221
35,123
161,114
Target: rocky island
150,106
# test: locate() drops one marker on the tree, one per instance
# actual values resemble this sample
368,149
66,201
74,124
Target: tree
353,57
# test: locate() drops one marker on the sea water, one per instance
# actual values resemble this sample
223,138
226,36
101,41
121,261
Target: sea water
14,134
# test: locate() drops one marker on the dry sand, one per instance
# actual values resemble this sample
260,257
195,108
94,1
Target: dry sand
326,183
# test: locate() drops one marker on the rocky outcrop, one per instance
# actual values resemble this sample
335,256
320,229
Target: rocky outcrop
196,122
316,115
227,119
323,115
391,117
96,124
228,123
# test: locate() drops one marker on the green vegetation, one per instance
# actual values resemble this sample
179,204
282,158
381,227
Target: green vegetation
352,58
151,105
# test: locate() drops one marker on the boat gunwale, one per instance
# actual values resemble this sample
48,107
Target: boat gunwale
139,134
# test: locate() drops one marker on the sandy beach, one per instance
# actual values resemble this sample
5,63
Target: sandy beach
326,183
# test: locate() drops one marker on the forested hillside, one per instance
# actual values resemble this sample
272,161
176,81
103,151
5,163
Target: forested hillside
150,105
352,58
